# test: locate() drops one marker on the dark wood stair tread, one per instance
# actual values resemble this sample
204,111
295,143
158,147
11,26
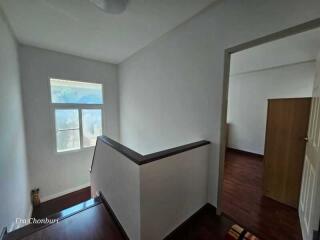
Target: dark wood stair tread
68,212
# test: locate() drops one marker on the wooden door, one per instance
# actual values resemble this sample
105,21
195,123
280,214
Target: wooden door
287,126
309,207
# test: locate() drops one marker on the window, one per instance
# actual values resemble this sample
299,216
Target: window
91,126
67,129
78,113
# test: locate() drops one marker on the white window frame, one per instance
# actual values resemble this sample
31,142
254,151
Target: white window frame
79,107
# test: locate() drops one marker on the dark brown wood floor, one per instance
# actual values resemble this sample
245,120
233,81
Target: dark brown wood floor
205,225
243,200
97,223
93,223
58,204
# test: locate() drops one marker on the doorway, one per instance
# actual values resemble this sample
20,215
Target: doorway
242,195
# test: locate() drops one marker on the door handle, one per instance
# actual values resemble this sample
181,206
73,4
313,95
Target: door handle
306,139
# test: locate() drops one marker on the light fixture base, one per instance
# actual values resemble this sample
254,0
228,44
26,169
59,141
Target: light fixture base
111,6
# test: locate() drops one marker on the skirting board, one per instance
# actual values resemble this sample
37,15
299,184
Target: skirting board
113,216
206,207
3,234
70,190
245,152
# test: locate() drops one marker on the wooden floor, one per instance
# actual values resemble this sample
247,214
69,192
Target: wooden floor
243,200
97,223
61,205
92,223
205,225
58,204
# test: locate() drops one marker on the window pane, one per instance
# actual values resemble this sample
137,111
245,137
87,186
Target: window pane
65,91
67,119
91,125
67,129
68,140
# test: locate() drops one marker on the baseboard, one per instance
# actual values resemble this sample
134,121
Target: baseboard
3,233
245,152
206,207
12,227
70,190
114,217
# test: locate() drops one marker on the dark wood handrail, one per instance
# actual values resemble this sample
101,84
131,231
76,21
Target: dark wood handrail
143,159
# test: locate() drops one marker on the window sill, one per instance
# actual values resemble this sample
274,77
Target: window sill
85,149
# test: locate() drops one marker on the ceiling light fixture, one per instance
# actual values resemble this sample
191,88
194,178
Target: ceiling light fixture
111,6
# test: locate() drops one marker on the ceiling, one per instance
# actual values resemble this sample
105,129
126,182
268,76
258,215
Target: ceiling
78,27
290,50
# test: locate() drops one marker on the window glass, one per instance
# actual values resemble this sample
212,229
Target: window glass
68,140
76,124
91,126
67,129
67,119
65,91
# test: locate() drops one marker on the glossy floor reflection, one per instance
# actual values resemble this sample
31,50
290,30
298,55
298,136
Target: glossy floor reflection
243,200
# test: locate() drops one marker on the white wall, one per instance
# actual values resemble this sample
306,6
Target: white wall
57,173
118,178
14,183
172,189
247,101
171,91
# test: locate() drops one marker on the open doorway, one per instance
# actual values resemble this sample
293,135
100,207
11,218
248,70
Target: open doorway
270,92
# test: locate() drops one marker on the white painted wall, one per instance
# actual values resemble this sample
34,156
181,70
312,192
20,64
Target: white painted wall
171,91
118,178
14,180
172,189
247,101
58,173
298,48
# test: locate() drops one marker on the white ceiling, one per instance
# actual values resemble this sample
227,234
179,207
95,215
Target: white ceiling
80,28
290,50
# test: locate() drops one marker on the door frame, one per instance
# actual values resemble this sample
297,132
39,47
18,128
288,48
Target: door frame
227,57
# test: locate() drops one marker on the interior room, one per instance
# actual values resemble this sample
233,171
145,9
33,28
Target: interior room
280,70
113,119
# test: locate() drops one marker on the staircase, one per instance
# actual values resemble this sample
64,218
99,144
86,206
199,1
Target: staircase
127,179
28,231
